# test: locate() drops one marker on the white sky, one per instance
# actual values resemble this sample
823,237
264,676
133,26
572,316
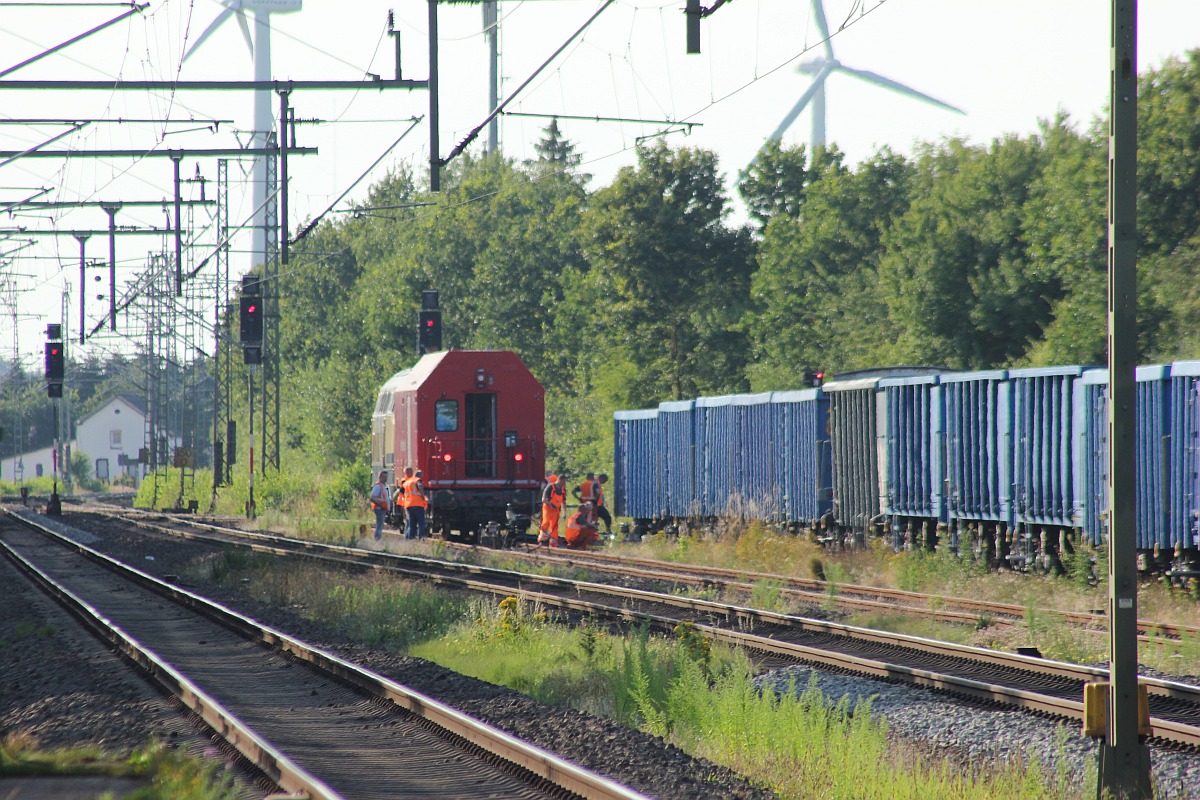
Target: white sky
1007,64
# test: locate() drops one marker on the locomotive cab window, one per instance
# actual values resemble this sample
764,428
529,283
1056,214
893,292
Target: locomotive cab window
445,414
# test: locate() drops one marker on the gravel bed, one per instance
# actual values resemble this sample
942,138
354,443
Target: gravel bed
976,737
62,687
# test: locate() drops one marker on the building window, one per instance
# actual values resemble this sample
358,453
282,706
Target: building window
114,439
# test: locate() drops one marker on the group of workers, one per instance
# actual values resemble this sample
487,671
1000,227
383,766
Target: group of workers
582,526
408,498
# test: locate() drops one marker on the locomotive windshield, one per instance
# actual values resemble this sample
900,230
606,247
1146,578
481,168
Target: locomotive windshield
445,416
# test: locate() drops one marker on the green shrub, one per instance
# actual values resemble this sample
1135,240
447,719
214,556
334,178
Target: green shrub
346,490
165,489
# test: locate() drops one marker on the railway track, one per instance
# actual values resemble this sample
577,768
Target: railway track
313,723
945,608
1046,687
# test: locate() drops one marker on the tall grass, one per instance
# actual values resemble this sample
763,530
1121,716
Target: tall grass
171,775
798,743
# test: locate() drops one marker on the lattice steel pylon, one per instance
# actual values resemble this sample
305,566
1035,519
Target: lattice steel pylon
155,298
270,294
223,458
196,292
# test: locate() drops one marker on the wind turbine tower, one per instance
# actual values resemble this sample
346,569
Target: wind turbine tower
825,65
264,119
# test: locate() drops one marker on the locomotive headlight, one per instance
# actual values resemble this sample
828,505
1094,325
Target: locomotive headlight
510,439
480,378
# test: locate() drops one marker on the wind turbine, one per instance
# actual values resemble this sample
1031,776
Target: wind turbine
264,118
825,65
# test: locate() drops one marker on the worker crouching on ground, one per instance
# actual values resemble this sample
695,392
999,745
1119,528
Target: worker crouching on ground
553,495
581,528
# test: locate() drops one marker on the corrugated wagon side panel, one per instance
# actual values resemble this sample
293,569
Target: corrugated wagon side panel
1154,469
1044,444
678,423
1184,495
908,447
975,457
854,455
715,444
801,455
1152,454
1094,459
637,465
756,487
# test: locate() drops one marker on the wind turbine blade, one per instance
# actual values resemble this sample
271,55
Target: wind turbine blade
823,27
888,83
245,26
801,103
216,23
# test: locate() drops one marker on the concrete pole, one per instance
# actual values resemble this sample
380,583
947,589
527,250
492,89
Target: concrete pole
264,118
1124,759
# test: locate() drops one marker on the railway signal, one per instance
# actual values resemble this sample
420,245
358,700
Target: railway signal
429,323
55,367
251,327
813,377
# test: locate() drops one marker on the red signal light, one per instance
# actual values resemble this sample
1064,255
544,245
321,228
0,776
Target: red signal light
820,376
428,323
447,458
519,457
252,308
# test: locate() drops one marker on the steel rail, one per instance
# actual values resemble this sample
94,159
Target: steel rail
542,763
418,567
1007,615
702,574
285,773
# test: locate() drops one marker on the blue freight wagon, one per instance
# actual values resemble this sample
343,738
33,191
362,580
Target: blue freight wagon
758,456
1166,431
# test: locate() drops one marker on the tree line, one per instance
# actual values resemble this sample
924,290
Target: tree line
965,256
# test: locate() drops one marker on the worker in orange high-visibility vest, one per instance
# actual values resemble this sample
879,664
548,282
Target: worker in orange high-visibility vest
586,491
414,494
400,500
581,529
554,494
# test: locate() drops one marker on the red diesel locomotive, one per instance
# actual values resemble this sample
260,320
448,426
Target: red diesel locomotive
473,421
